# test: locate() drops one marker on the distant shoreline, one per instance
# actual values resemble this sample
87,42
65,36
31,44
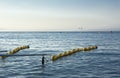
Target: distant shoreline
58,31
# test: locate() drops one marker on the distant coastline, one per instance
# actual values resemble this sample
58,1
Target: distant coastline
63,31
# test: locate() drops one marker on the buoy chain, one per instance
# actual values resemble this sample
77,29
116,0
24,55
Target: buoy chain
66,53
15,50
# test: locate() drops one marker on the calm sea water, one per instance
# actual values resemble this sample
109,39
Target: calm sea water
103,62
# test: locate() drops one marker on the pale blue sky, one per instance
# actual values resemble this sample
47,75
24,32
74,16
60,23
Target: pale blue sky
59,15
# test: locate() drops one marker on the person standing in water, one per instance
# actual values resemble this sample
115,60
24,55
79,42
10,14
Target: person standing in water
43,60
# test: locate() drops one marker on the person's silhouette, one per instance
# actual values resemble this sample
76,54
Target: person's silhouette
43,60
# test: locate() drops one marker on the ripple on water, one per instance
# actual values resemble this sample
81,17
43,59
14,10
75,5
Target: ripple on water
100,63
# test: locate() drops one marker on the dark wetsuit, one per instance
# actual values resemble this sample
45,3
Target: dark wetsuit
43,60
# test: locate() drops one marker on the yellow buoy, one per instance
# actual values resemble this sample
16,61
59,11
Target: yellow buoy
84,49
80,49
65,53
74,50
60,55
70,52
15,51
54,57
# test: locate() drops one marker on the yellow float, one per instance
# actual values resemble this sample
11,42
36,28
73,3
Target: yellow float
15,50
65,53
55,57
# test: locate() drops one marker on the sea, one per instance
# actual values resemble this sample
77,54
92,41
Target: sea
103,62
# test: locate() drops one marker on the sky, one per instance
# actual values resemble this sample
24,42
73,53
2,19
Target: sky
59,15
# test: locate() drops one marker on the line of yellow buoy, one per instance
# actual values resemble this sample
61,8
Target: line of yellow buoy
15,50
55,57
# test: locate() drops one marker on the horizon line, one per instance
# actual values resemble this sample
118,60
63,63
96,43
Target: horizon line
67,31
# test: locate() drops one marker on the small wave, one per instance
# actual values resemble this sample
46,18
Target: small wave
105,53
3,50
50,51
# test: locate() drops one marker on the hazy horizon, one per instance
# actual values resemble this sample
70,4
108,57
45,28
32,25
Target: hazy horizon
59,15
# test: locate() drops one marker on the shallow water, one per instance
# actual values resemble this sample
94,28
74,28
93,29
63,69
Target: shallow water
103,62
